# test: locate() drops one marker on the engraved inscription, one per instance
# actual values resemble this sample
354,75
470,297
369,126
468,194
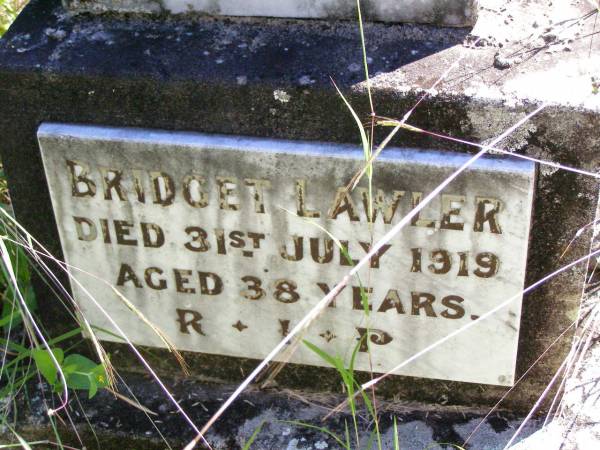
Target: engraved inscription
226,243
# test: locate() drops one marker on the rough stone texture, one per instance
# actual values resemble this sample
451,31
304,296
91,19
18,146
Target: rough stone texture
129,72
457,13
120,426
574,422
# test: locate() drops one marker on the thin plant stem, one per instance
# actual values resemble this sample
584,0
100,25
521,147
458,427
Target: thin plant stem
315,311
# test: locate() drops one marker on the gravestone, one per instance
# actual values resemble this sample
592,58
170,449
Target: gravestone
229,217
441,12
199,163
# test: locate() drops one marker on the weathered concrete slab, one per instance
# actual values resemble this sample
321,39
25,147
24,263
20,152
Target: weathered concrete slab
200,233
456,13
120,426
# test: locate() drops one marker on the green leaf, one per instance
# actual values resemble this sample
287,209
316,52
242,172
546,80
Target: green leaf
93,388
100,377
84,374
80,371
69,369
46,365
11,316
82,363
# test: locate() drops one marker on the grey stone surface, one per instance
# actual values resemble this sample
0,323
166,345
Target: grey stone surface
120,426
574,423
128,72
222,256
441,12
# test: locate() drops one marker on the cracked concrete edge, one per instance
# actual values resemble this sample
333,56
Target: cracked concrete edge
278,414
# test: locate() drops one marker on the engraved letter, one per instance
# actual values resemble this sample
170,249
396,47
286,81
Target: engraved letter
192,191
485,212
138,185
316,254
375,258
454,303
217,283
360,298
326,290
227,189
381,204
163,188
87,233
285,327
298,249
112,181
345,258
259,186
301,201
463,265
256,238
220,235
194,321
148,273
343,202
451,205
426,304
81,184
181,278
122,231
378,337
416,221
126,274
153,235
391,300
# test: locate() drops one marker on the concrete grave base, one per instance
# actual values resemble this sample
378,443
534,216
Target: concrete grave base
270,78
120,426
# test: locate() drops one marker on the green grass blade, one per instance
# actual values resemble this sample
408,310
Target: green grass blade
396,438
347,434
363,134
331,360
22,441
370,440
321,429
252,438
364,54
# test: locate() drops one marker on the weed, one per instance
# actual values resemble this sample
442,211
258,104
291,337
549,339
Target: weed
9,9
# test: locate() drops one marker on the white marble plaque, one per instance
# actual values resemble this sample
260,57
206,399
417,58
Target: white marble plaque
219,241
442,12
